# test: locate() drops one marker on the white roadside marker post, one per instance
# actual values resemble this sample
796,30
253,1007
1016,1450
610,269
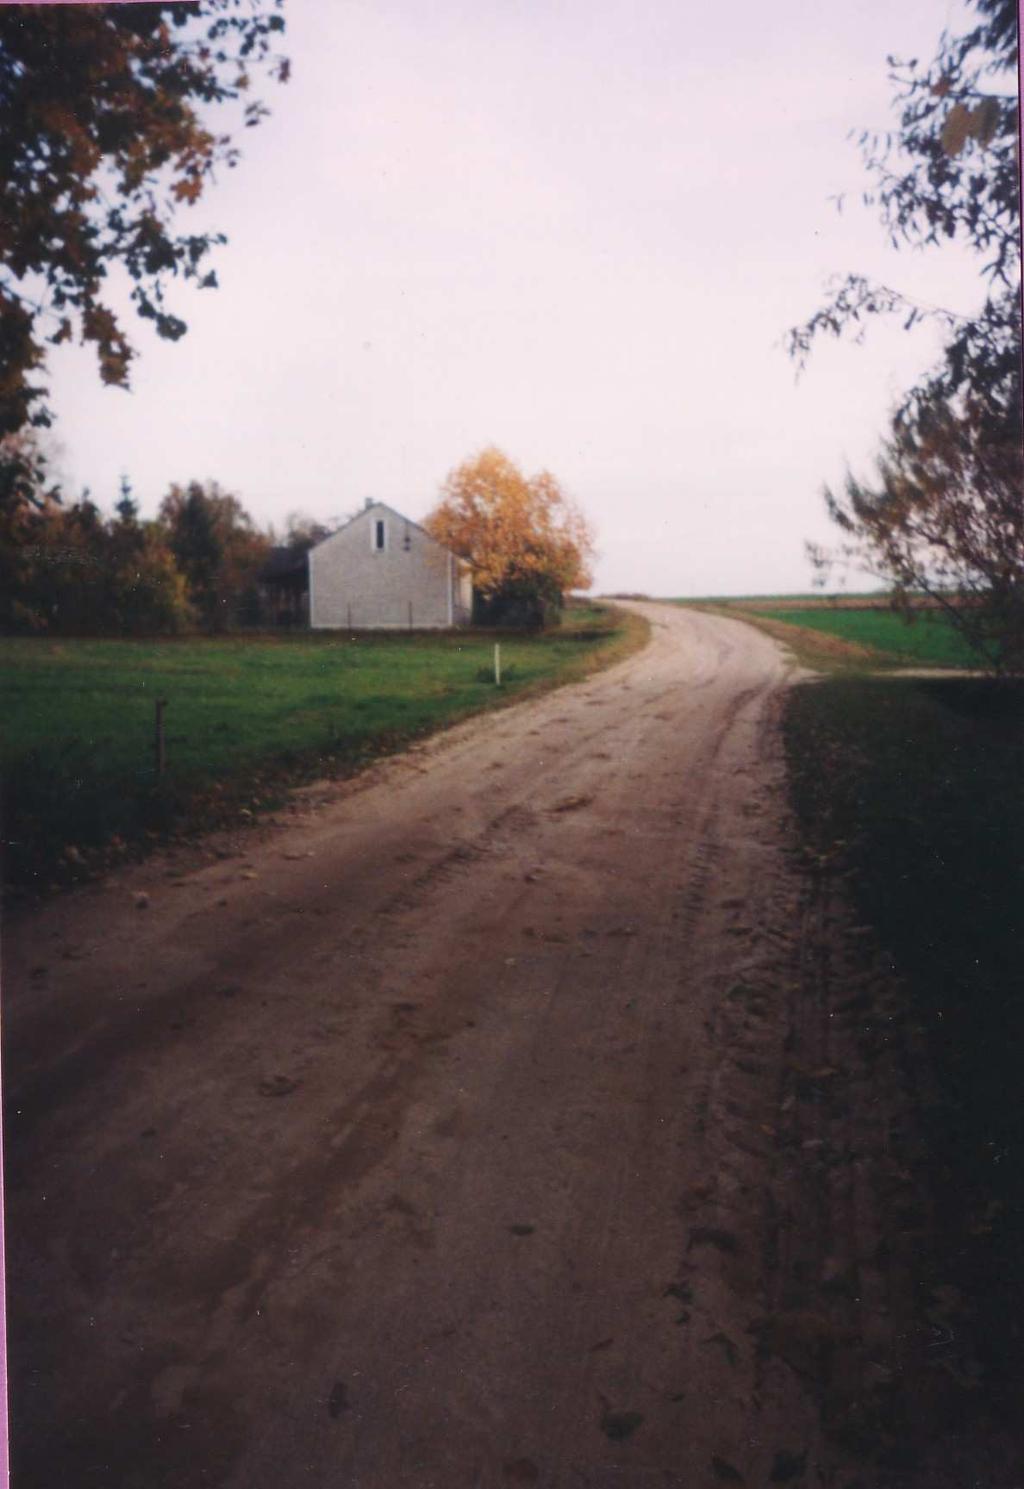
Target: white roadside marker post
497,664
160,741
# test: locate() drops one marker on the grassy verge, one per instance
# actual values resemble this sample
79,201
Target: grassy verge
917,787
816,650
245,718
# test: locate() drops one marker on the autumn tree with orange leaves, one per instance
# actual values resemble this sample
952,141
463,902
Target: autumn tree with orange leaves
527,541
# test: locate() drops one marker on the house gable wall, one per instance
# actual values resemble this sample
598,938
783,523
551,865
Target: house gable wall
412,582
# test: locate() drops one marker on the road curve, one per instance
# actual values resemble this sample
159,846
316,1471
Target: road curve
426,1140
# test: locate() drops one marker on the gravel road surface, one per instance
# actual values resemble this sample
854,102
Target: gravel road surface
431,1136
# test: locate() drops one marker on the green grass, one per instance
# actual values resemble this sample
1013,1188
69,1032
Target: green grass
850,632
929,641
814,598
917,788
244,716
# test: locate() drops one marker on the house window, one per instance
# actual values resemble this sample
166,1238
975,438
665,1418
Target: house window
378,535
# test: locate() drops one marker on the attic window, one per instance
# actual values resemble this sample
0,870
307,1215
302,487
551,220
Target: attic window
378,535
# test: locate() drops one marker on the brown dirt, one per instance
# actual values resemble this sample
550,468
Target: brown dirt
492,1121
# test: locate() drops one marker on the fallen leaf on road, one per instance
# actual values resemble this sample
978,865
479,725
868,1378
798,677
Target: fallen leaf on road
620,1424
787,1466
572,803
703,1188
713,1235
726,1345
725,1471
681,1290
277,1085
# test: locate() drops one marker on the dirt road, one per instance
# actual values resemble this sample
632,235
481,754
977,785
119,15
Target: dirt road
433,1138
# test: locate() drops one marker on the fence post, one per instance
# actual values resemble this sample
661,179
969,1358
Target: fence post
160,741
497,664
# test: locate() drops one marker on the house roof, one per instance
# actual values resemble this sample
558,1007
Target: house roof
374,506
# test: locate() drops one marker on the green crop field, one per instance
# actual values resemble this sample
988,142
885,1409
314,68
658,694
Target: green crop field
930,640
866,621
244,716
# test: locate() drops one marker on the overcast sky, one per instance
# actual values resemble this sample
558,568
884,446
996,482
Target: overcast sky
577,229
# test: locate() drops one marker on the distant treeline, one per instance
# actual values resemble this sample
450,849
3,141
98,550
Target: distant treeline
68,568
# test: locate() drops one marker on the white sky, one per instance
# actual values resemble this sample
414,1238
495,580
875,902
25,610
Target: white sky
577,229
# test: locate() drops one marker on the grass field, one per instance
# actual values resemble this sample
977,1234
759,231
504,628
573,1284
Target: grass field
916,788
929,641
244,716
859,630
815,600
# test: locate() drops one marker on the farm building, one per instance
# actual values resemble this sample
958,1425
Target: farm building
383,572
283,585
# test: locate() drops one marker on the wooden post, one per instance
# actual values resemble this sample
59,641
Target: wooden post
497,664
160,741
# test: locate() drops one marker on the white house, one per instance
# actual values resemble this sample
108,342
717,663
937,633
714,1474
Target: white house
382,572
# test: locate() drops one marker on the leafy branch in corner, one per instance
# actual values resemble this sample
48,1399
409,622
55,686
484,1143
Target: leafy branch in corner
945,517
104,139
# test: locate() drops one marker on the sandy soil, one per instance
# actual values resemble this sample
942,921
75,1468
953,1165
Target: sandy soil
474,1126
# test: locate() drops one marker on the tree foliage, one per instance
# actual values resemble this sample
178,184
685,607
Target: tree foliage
219,551
302,532
945,519
68,569
103,138
949,172
71,569
527,541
